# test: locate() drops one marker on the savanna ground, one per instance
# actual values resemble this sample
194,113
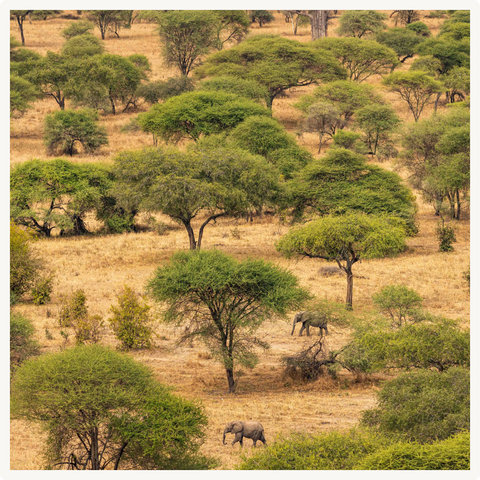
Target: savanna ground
102,264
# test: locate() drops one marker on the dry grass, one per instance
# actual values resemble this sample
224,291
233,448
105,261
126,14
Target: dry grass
102,264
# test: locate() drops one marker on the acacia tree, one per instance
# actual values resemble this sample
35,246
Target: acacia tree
415,88
361,23
274,62
346,239
20,16
405,16
322,118
361,58
224,301
22,93
186,36
230,26
401,40
193,114
104,19
103,410
182,185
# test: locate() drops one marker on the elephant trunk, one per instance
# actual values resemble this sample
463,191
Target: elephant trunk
224,435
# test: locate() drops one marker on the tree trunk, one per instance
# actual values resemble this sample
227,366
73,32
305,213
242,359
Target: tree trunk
457,193
231,381
112,103
349,301
318,22
94,449
191,234
20,26
436,101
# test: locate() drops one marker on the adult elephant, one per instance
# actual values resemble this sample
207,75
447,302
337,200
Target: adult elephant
310,319
251,429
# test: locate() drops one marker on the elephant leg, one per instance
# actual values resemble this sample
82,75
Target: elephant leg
238,438
301,330
254,443
262,439
308,330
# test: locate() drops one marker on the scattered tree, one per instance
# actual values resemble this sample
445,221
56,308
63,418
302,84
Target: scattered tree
20,16
361,58
345,239
231,26
401,40
104,20
450,53
82,45
193,114
64,129
419,28
322,118
424,406
78,28
361,23
405,16
183,184
101,409
261,16
319,20
187,35
415,88
274,62
223,302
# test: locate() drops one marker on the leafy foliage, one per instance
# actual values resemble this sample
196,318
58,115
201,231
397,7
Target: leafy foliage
82,45
131,322
328,451
361,23
78,28
65,128
238,86
105,20
42,290
224,301
274,62
230,26
24,264
198,113
450,454
419,28
22,342
446,236
22,93
261,16
101,409
423,406
399,302
415,88
402,40
361,58
181,184
153,92
450,53
45,195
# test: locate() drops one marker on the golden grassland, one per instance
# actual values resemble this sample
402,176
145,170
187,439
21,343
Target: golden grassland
101,265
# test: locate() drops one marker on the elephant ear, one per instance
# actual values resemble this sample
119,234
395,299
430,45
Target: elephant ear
237,427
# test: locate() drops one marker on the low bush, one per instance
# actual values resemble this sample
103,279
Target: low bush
446,237
450,454
42,290
22,343
131,322
78,28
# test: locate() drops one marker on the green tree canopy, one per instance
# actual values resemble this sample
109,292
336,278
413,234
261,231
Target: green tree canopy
230,26
402,40
361,23
22,93
361,58
224,301
193,114
238,86
346,96
424,405
187,35
274,62
182,185
450,53
101,409
64,129
153,92
82,45
342,182
346,239
80,27
45,195
415,88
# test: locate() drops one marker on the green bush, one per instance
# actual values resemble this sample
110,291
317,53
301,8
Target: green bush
446,236
423,406
24,265
239,86
419,28
400,303
289,160
153,92
22,344
42,290
450,454
329,451
83,46
65,128
78,28
131,322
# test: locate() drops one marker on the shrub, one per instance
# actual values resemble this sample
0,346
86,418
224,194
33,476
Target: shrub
82,46
330,451
22,343
238,86
24,265
88,330
131,322
423,406
400,303
78,28
41,290
289,160
65,128
153,92
445,236
419,28
261,16
450,454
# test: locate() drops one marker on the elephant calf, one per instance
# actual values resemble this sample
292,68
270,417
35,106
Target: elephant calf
253,430
311,319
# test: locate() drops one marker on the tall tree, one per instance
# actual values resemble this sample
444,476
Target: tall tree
361,23
230,26
274,62
319,20
345,239
104,19
20,16
103,410
224,301
182,185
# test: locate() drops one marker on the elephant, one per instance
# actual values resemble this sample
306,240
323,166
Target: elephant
311,319
251,429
